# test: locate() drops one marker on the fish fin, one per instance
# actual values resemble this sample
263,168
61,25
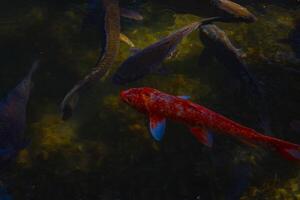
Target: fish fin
130,14
202,136
34,67
184,97
290,153
157,127
68,104
173,53
126,40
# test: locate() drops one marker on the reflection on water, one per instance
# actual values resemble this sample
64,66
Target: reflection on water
105,151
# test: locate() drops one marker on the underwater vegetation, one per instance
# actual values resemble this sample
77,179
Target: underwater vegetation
105,150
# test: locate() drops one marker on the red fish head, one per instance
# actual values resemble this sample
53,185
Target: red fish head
137,97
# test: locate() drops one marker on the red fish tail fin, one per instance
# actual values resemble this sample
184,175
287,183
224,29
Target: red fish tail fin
290,154
288,150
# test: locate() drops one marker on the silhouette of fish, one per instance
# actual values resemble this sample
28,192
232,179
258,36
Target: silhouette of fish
217,44
233,12
110,51
149,59
13,117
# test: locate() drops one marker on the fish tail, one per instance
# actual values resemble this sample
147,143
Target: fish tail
34,67
210,20
288,150
291,152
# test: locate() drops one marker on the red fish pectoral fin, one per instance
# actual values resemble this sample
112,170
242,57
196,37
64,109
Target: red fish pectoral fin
157,127
202,136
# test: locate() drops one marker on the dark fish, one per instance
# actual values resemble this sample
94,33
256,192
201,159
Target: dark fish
233,12
149,59
111,47
218,44
13,117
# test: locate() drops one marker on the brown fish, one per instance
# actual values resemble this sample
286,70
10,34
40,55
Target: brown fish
233,12
111,11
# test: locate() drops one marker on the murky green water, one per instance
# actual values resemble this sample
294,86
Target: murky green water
105,150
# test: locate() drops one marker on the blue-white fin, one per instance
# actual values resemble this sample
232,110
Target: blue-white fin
202,136
294,153
184,97
157,127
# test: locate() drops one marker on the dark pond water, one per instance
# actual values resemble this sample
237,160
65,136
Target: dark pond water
105,151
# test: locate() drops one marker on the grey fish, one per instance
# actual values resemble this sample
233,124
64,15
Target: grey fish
233,12
13,117
149,59
217,44
103,65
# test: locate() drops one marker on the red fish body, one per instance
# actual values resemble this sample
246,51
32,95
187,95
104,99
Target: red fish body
160,106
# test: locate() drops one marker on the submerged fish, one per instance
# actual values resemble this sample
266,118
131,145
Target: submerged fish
126,40
149,59
160,106
13,117
111,42
218,45
232,12
130,14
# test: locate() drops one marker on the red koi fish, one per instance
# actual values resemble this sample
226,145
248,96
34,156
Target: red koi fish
161,106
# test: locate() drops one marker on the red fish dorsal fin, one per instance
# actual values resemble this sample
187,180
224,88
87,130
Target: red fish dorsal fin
157,126
202,135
